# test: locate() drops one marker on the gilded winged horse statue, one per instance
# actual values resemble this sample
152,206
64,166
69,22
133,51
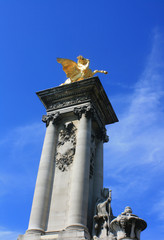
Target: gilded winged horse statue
77,71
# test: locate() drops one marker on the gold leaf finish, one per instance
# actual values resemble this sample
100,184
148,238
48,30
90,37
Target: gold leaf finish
77,71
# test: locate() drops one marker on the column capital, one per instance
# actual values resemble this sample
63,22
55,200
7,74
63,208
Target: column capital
101,135
89,111
51,117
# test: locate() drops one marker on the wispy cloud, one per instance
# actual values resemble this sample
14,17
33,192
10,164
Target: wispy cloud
6,234
20,154
136,149
159,206
19,149
22,135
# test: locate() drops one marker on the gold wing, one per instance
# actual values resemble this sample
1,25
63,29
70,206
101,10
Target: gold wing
69,67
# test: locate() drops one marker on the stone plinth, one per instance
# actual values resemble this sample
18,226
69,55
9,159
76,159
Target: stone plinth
70,175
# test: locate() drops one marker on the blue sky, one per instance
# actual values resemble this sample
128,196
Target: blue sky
126,38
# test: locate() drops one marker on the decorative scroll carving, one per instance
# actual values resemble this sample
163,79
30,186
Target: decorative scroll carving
102,135
66,146
52,117
104,216
128,225
89,111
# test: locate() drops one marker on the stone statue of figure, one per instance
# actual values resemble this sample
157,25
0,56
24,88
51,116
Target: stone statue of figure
103,215
77,71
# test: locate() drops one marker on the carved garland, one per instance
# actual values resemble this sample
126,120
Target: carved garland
92,156
66,146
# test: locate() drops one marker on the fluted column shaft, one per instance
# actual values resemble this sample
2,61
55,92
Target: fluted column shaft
41,198
80,175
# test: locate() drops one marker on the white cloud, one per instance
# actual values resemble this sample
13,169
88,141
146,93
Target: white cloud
159,206
22,135
6,234
136,148
20,148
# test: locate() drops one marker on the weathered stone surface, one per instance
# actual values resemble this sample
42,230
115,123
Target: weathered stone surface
128,225
66,146
66,97
70,202
70,176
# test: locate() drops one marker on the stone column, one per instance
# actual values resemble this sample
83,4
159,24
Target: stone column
98,171
77,215
43,186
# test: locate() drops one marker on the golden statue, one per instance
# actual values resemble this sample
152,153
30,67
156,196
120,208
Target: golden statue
77,71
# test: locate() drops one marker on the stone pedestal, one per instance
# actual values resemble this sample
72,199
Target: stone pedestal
70,175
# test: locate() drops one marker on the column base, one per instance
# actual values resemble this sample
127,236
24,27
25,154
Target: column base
32,234
29,237
110,237
75,232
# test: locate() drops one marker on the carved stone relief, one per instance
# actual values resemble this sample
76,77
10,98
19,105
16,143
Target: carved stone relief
51,117
92,156
128,225
70,102
66,146
89,111
77,100
103,216
101,134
